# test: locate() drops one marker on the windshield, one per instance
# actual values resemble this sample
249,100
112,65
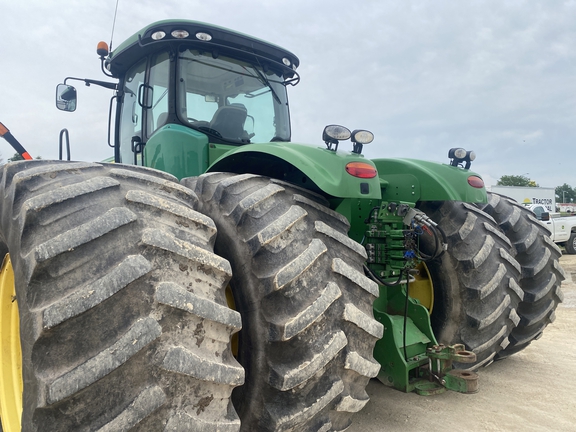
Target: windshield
231,99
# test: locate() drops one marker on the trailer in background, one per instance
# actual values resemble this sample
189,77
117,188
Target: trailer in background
529,195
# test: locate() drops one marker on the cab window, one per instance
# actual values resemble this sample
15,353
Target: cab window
131,111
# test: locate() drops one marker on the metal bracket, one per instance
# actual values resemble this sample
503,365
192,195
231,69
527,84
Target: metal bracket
441,373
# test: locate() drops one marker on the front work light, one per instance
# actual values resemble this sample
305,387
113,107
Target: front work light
180,34
359,138
203,36
158,35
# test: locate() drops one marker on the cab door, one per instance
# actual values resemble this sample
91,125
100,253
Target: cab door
145,106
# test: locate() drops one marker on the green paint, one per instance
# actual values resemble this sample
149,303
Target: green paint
178,150
314,168
216,151
416,180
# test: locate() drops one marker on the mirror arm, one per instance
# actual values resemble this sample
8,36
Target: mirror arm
109,85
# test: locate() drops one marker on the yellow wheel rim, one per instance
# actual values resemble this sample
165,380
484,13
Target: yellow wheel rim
10,353
422,288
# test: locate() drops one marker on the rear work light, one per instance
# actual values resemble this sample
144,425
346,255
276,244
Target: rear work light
476,182
361,170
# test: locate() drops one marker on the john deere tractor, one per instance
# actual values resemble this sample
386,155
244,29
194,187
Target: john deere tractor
217,277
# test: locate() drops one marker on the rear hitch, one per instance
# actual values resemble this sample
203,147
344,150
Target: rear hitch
441,374
411,358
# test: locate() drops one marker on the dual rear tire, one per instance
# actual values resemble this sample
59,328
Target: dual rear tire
308,330
476,281
497,285
124,322
123,319
541,273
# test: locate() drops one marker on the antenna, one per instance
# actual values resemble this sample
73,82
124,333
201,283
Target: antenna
114,23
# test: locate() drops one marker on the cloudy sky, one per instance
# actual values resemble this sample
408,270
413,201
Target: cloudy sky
497,77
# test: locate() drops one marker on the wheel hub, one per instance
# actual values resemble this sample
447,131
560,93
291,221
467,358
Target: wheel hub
11,384
422,288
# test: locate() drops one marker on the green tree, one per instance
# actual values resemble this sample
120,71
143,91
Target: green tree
565,193
516,180
18,157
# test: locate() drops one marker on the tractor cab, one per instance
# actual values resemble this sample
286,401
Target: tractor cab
188,92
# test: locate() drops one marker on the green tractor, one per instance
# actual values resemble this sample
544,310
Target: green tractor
216,276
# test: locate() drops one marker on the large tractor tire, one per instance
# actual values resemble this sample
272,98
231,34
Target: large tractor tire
123,321
475,281
308,330
542,274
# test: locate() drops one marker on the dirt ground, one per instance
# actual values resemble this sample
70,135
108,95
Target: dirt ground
533,390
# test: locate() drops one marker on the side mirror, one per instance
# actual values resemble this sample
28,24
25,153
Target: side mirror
65,97
545,216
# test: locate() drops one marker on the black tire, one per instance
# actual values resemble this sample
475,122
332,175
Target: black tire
542,274
124,323
570,245
308,329
476,289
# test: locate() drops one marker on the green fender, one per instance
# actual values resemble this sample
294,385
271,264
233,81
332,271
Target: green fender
317,169
413,180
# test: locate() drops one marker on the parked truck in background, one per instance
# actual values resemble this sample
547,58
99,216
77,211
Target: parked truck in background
562,228
219,277
568,208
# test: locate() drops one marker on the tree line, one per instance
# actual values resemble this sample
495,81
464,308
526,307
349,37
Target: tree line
564,193
15,157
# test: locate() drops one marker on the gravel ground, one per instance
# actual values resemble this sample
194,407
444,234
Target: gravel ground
530,391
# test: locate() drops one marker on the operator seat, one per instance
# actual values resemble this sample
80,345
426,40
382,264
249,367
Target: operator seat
162,120
229,121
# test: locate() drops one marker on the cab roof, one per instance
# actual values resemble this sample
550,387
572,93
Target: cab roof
219,40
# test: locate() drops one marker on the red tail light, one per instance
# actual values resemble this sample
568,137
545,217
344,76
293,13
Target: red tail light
476,182
361,170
